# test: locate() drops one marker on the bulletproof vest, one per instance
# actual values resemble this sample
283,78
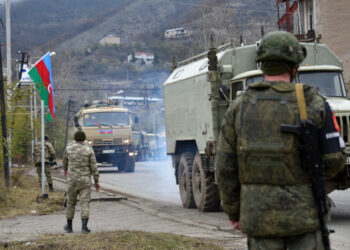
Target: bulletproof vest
37,153
266,155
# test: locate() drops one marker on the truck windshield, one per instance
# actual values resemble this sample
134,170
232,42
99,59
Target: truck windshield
329,83
253,79
106,119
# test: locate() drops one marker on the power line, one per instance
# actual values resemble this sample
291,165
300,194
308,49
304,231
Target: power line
105,89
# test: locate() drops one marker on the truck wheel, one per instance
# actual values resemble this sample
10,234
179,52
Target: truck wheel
130,166
185,180
205,191
121,166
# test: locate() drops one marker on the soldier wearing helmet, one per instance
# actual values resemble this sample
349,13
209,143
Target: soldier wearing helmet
265,191
79,163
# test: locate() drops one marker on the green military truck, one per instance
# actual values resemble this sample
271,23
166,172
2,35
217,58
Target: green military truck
199,91
140,146
108,130
148,146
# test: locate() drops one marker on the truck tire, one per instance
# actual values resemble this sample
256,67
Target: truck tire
130,166
121,166
205,191
185,180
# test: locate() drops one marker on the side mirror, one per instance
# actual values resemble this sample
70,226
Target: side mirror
239,93
76,122
224,93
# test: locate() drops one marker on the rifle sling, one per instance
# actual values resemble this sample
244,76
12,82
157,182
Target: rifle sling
301,101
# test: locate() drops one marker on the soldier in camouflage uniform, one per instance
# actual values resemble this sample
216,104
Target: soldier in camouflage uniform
50,157
264,190
79,164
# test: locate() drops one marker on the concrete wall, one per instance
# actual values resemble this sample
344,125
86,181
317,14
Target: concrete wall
332,22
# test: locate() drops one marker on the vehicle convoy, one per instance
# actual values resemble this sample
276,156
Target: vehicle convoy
199,91
140,146
148,146
108,130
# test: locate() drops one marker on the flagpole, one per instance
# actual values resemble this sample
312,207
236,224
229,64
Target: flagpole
43,194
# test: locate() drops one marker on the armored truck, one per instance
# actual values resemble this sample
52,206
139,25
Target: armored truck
108,130
199,91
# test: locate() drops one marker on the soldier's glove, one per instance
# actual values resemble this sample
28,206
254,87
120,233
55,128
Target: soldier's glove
97,186
53,163
235,225
65,173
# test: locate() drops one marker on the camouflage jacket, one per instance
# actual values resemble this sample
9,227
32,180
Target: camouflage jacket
50,153
80,161
262,184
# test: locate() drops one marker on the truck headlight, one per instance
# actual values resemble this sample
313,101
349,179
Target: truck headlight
126,141
131,154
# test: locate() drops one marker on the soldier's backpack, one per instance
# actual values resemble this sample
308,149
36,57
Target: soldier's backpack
266,155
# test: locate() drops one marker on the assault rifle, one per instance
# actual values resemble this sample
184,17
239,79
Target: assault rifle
312,163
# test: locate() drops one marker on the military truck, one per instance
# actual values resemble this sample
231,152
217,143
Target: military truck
199,91
161,146
140,147
148,146
151,142
107,126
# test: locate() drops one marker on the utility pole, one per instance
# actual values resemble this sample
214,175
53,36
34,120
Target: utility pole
8,61
8,41
4,127
68,116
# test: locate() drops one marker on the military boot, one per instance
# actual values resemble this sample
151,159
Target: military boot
84,228
68,227
51,188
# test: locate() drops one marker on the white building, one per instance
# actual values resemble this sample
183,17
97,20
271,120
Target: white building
141,58
177,33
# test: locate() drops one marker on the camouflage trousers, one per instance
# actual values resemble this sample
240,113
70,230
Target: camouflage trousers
308,241
47,172
77,187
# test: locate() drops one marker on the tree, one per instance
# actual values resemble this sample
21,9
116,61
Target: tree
217,18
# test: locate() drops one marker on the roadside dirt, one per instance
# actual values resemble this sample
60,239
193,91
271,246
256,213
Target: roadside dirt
110,213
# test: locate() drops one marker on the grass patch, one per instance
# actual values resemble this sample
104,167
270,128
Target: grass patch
23,197
115,240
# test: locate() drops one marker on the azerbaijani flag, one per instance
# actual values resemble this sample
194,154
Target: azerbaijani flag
41,75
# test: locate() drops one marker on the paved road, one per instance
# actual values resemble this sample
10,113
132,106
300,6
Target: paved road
340,219
155,181
151,180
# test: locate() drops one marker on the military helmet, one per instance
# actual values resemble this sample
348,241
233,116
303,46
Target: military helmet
281,46
79,136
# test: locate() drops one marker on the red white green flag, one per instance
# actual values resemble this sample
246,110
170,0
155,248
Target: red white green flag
41,74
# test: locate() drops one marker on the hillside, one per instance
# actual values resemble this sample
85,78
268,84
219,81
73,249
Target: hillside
78,23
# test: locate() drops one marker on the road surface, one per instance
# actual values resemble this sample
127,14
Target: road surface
154,182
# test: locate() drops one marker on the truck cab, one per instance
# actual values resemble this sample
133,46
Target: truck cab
108,130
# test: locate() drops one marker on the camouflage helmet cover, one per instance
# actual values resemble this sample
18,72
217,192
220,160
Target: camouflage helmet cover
281,46
79,136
